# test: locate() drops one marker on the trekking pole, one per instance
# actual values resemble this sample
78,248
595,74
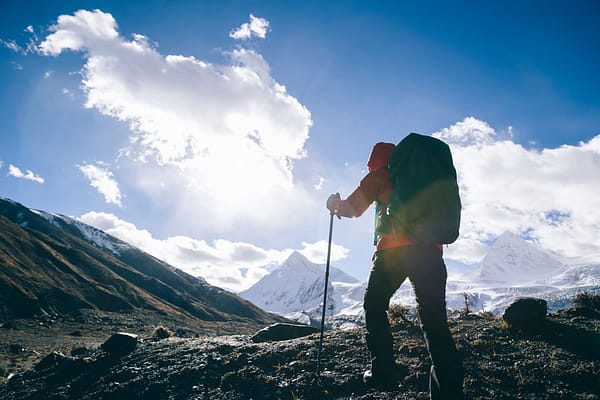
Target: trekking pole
325,296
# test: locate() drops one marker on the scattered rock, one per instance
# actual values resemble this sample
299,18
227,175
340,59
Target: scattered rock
182,332
79,351
587,300
120,344
280,331
16,348
161,332
527,314
55,358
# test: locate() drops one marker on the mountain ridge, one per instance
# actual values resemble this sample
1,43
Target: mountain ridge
513,268
51,266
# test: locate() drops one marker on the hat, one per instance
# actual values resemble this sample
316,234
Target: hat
380,155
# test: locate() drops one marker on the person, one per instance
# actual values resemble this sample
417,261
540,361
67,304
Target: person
396,258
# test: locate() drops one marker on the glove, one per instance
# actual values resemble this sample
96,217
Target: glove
333,202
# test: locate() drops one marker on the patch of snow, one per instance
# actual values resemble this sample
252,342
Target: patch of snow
93,235
299,317
52,218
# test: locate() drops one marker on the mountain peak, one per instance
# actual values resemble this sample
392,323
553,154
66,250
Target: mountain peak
508,237
296,257
514,259
296,285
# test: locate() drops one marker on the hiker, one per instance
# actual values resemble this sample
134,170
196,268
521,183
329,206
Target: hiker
396,258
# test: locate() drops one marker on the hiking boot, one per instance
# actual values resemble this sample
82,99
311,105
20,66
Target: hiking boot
385,378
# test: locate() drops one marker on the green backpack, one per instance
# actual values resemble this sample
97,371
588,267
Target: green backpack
425,204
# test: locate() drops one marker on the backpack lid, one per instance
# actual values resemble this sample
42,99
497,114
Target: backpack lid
380,155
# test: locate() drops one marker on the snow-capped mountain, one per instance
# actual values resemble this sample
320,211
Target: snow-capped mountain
512,268
512,259
296,289
515,268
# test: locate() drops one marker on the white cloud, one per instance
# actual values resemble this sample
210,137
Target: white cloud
466,250
17,173
317,252
470,131
319,185
551,195
224,137
256,27
30,47
68,93
17,66
12,45
232,265
83,30
102,180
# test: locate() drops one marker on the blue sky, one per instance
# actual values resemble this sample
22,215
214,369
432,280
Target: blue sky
211,133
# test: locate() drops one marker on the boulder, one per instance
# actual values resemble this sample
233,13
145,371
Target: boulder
528,314
120,344
280,331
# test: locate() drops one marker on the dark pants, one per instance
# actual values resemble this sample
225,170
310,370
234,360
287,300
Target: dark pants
425,268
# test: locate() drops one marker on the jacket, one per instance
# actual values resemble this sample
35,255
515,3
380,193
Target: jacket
374,187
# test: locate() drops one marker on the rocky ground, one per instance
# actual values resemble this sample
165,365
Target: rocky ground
560,360
25,342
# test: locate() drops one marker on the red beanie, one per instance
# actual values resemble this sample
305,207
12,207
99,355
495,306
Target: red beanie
380,155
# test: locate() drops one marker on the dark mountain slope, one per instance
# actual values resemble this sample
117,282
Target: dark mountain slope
53,264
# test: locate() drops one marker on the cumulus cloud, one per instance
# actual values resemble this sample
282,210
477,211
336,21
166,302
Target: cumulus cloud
317,252
232,265
17,173
83,30
469,132
256,27
548,195
102,179
218,134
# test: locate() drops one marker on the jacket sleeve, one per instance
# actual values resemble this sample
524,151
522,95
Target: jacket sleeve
362,197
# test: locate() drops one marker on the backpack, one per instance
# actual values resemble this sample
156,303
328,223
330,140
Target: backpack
425,204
